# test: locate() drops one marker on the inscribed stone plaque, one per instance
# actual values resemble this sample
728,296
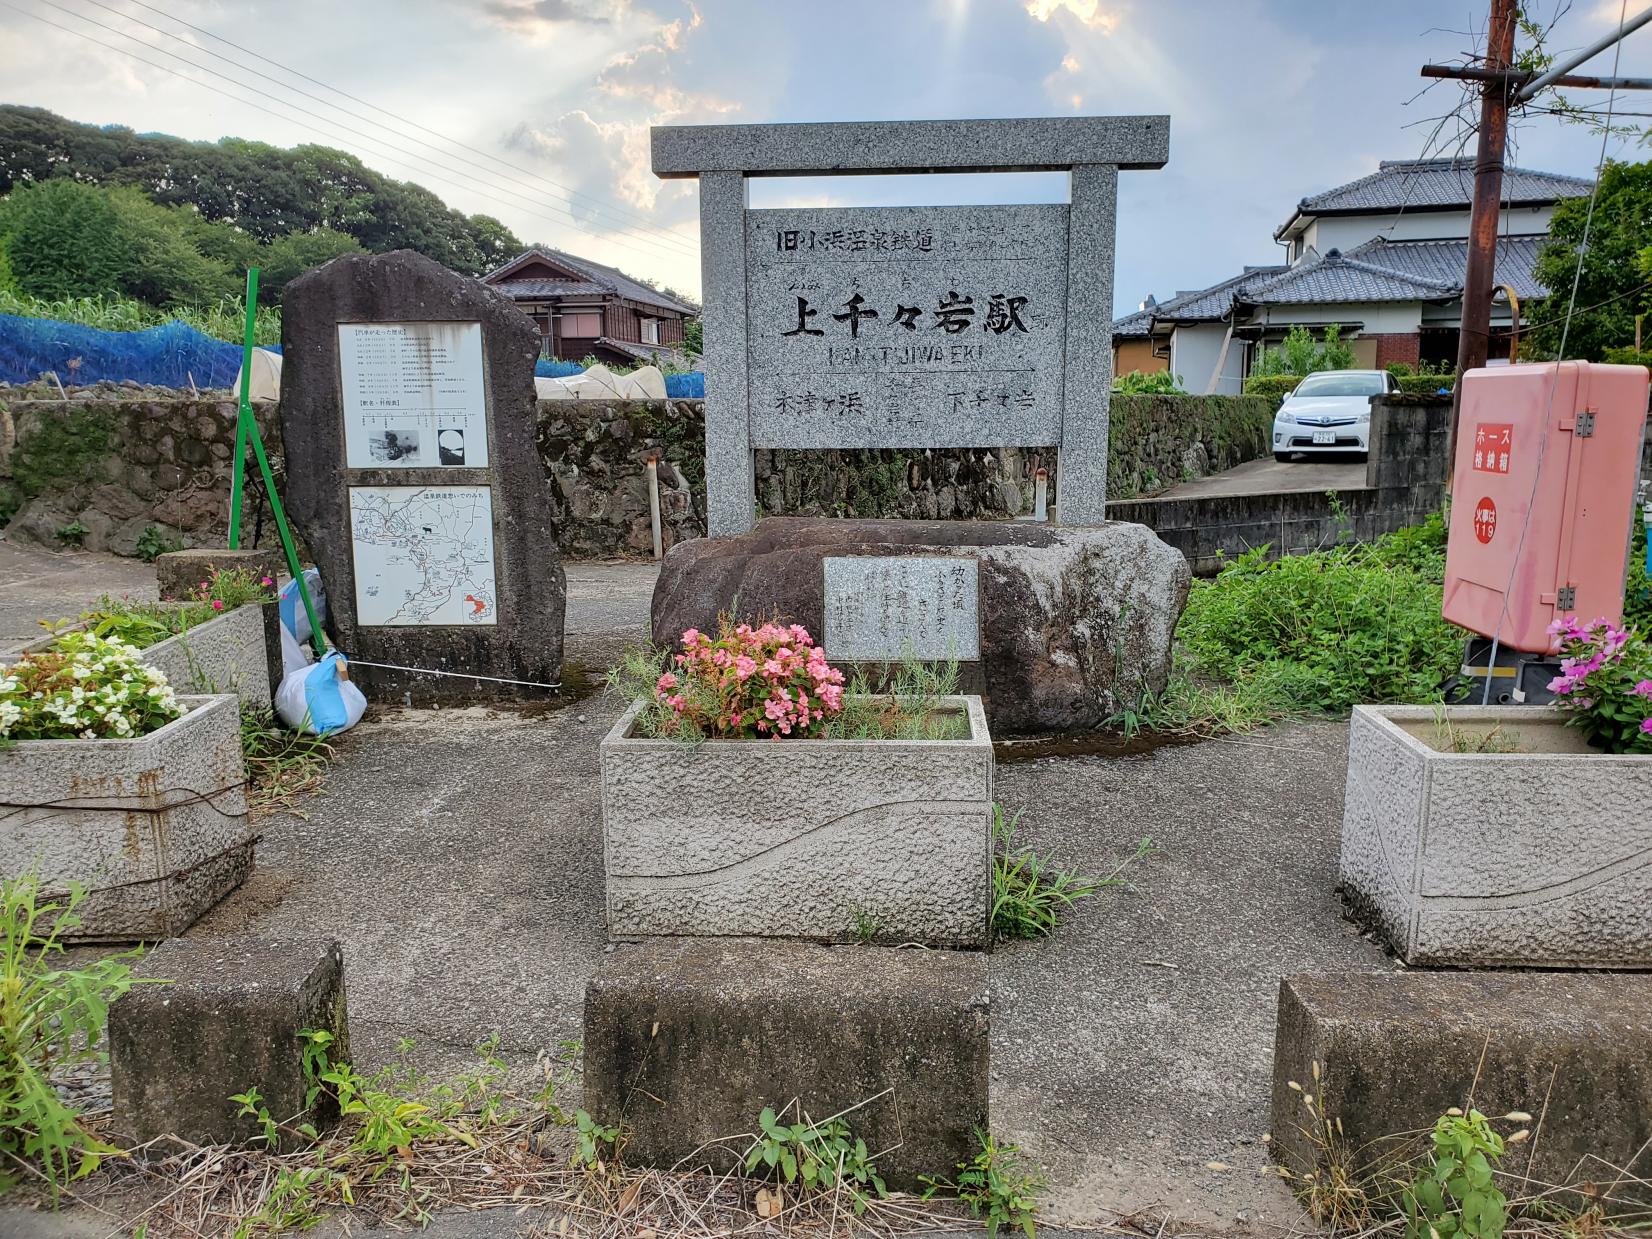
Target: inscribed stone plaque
907,326
424,554
901,606
414,395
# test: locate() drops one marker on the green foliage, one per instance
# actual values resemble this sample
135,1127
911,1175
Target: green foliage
1149,432
263,192
1618,263
154,542
820,1156
1028,897
224,319
995,1184
62,239
1329,629
693,337
281,763
594,1144
1637,589
143,622
1274,386
1159,382
1299,354
72,534
50,1017
288,257
1455,1195
1427,384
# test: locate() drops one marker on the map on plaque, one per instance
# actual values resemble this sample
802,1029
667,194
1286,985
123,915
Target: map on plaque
890,607
423,555
414,395
906,326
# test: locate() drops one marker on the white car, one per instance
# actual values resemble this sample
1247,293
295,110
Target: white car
1330,411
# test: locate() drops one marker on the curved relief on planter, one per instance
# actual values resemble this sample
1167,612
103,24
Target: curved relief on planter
800,838
155,828
1536,858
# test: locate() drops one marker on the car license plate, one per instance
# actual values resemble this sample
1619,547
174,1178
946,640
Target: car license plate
1325,436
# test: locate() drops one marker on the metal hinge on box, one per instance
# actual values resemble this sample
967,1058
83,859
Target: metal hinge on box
1585,427
1565,597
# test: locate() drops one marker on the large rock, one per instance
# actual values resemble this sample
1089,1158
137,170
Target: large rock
1395,1050
687,1039
1075,623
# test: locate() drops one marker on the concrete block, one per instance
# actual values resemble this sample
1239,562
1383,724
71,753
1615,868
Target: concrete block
230,654
686,1040
800,838
1395,1050
178,572
227,1018
155,828
1532,858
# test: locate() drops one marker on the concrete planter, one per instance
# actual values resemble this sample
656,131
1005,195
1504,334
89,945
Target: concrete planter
155,828
229,654
1541,857
833,840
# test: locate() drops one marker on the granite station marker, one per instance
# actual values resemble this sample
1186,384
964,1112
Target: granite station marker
891,327
407,409
980,326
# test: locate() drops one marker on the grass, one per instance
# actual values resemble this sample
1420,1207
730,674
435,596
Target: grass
281,765
1029,896
224,319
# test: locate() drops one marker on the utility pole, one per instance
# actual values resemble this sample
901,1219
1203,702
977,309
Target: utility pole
1474,338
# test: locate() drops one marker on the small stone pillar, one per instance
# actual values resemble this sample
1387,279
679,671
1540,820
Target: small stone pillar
212,1017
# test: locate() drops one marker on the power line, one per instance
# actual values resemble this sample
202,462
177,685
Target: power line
533,204
418,167
606,204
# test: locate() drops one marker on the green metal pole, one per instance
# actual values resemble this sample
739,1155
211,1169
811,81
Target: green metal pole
243,415
293,565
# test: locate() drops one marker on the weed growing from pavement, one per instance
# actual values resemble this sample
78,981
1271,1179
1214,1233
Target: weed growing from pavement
281,764
1028,896
1451,737
50,1017
822,1156
996,1185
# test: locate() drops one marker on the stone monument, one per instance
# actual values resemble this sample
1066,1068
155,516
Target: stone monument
407,413
919,327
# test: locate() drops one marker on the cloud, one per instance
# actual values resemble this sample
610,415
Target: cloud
538,19
1089,12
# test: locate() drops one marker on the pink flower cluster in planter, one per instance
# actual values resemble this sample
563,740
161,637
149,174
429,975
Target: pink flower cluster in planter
1605,683
771,681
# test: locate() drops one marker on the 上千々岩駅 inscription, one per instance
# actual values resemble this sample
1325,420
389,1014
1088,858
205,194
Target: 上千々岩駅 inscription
901,606
906,326
414,395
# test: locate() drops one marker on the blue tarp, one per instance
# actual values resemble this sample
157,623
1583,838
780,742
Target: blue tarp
173,354
166,356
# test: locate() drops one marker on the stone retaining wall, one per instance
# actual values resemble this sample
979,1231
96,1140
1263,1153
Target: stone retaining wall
116,462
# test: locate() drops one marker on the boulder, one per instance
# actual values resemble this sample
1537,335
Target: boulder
1075,624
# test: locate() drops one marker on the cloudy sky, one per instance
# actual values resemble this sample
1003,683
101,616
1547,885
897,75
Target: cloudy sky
537,111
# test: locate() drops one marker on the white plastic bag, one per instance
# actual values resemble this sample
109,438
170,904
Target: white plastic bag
319,698
293,617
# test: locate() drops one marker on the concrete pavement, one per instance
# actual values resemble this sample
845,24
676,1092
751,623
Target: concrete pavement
457,854
1340,472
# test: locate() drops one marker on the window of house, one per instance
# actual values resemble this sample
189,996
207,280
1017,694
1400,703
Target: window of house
581,323
650,331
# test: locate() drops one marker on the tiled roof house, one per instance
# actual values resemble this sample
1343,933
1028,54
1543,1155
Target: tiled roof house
1382,257
585,309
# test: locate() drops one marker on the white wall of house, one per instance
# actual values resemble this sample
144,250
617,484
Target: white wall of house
1194,351
1344,232
1375,318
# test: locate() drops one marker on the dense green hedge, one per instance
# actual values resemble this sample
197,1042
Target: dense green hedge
1426,384
1274,387
1149,435
1628,357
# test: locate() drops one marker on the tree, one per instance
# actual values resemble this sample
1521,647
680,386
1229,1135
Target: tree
62,239
163,267
290,256
1611,288
1299,354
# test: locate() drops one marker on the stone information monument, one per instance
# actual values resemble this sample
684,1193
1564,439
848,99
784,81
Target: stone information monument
925,327
407,408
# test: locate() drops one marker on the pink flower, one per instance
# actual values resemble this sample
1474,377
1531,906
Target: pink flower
1646,726
666,681
690,636
217,604
1643,689
266,581
744,667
